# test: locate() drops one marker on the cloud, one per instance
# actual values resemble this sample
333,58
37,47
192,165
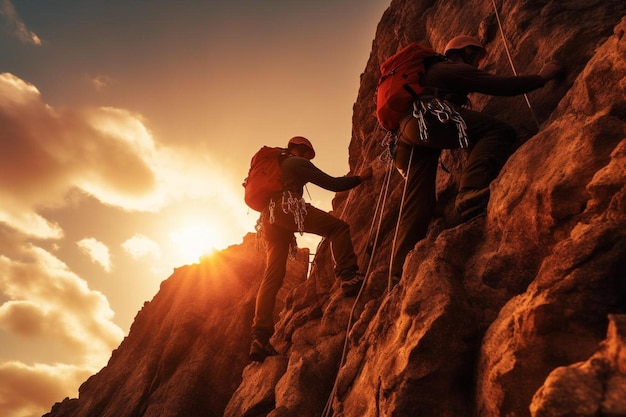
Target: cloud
30,223
140,245
106,152
100,81
97,251
46,301
45,153
30,390
15,25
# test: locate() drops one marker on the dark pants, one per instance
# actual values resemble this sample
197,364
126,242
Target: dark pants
278,236
491,141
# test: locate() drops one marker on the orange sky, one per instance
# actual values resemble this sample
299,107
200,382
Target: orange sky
126,129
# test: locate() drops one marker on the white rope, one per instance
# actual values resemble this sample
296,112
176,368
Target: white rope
395,235
327,412
508,53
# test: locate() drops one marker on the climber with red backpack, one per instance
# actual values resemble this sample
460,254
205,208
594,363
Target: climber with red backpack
274,187
422,99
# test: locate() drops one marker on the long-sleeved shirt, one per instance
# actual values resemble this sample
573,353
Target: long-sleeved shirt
456,80
298,171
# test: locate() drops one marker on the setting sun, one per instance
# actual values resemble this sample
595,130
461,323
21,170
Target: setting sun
194,240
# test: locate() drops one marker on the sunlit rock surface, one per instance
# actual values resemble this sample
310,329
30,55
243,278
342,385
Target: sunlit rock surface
188,347
506,315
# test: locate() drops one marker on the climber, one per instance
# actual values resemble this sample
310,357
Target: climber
288,213
449,79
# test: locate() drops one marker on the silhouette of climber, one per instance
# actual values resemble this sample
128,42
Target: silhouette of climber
490,140
286,214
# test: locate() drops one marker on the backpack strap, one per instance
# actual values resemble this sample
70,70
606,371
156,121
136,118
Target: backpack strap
411,91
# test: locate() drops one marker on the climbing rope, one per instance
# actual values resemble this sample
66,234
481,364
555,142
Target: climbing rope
380,204
378,211
508,53
327,412
395,235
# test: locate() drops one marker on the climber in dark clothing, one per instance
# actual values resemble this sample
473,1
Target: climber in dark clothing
490,140
286,214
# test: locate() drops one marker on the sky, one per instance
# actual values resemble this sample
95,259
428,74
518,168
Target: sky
126,130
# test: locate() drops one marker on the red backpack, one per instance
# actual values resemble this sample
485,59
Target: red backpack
264,177
399,83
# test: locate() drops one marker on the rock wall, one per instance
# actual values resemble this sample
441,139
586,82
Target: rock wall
188,347
505,315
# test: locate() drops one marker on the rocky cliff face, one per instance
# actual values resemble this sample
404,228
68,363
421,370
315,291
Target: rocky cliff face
518,312
187,348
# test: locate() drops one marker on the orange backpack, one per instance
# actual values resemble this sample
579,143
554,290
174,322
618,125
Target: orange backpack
264,177
399,84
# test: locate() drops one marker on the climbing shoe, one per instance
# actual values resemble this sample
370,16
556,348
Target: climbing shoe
470,202
351,284
395,279
261,349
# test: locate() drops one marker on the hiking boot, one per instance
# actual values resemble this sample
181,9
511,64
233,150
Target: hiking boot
351,285
395,279
470,202
261,349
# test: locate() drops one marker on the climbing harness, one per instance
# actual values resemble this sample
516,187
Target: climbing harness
443,112
294,204
267,215
508,53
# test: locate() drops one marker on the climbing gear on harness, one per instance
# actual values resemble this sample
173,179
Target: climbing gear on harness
267,215
444,113
294,204
389,142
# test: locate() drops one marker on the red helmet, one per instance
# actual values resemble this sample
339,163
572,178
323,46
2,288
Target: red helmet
299,140
461,41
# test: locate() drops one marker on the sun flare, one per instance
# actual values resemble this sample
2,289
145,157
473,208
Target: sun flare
194,240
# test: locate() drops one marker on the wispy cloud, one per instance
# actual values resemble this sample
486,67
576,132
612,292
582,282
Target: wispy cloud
15,25
97,251
101,81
